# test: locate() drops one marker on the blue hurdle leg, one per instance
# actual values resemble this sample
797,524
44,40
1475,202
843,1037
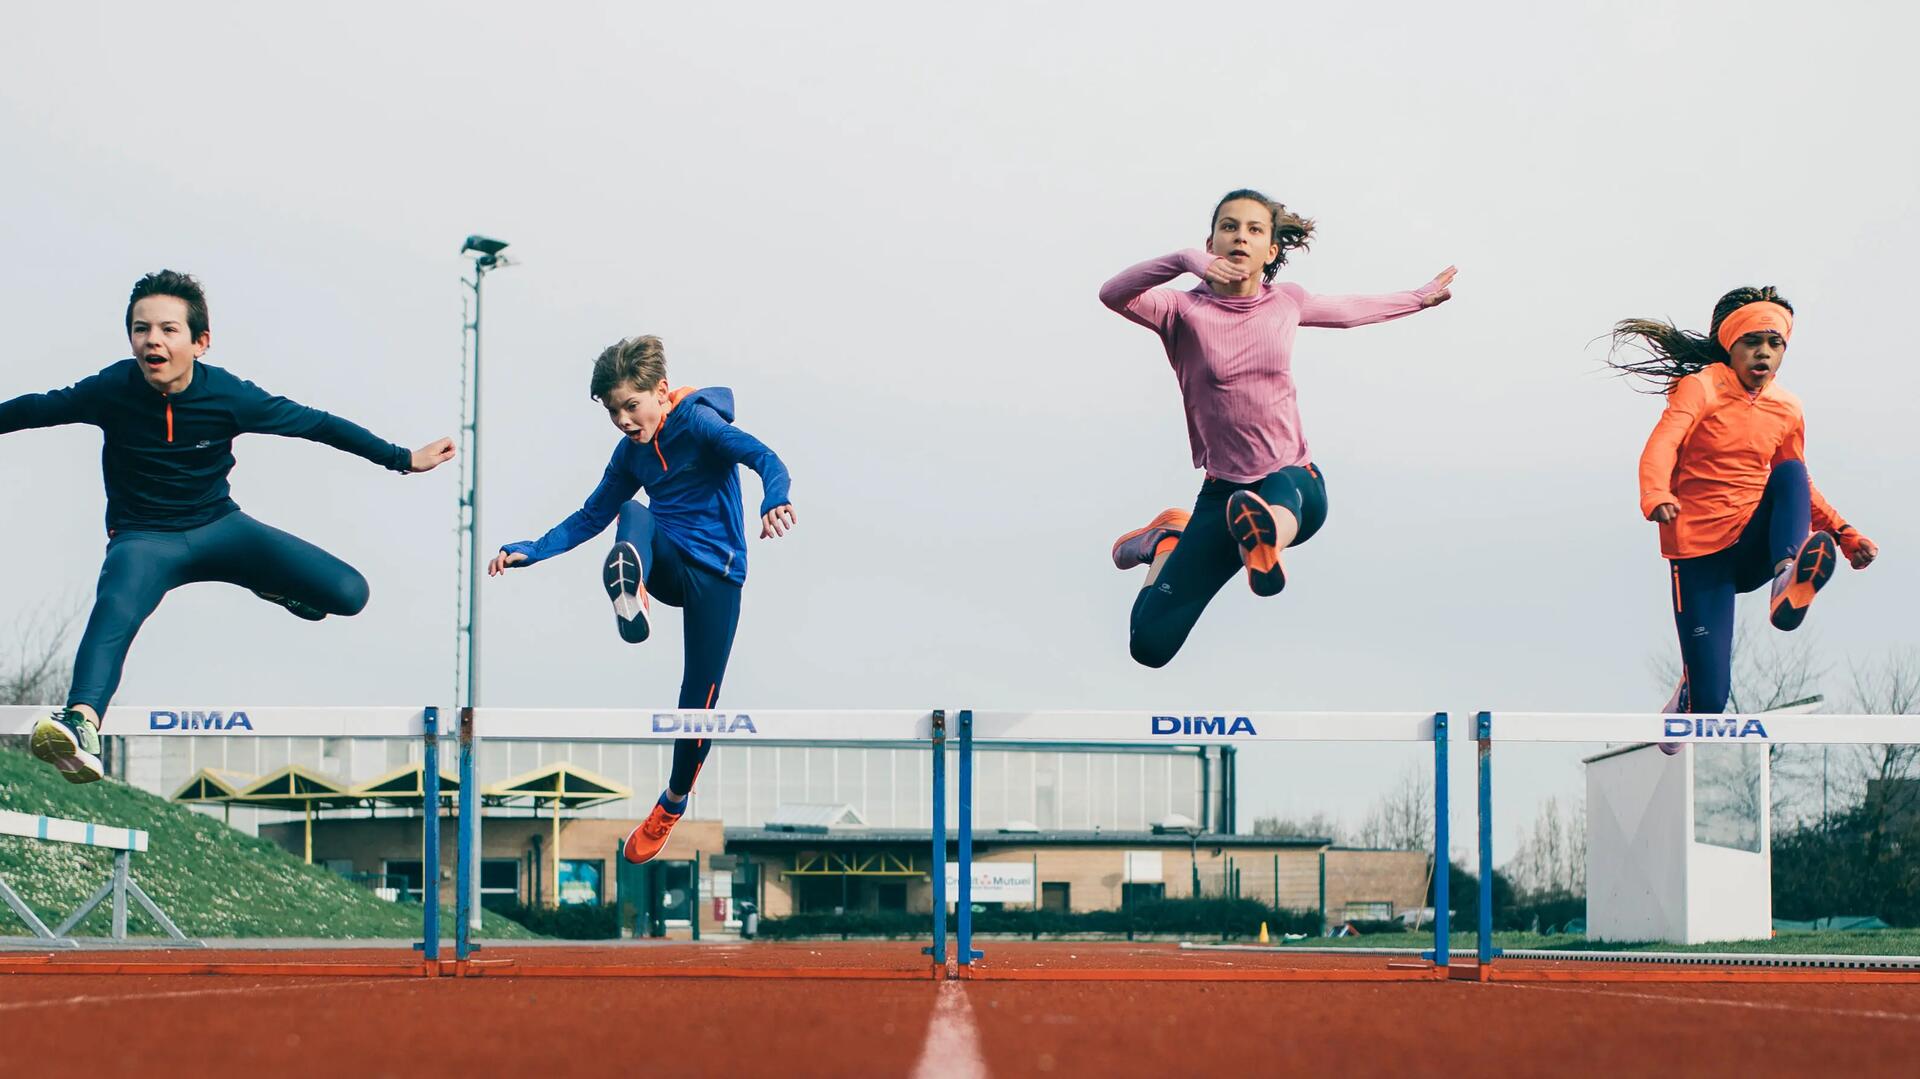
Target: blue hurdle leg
938,950
964,933
430,838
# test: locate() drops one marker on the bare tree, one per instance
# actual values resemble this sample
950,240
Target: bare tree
1552,860
1771,670
1883,776
1403,818
35,668
1318,826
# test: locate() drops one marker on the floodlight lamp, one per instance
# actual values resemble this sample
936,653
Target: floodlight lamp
484,246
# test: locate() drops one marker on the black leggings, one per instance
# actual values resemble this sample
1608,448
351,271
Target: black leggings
1207,557
142,567
711,613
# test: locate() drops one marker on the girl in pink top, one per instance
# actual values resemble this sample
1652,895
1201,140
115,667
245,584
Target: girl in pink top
1230,342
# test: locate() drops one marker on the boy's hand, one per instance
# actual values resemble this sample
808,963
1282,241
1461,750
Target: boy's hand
432,455
502,561
777,522
1664,513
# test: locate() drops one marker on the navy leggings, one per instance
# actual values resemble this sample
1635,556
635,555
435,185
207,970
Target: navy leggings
1704,587
142,567
1207,557
711,613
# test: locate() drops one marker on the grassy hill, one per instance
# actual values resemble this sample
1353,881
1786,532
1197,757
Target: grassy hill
211,880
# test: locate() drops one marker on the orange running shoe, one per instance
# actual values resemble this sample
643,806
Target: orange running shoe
1262,534
1794,587
644,842
1140,546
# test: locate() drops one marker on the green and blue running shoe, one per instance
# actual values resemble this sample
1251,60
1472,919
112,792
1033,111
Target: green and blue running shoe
70,742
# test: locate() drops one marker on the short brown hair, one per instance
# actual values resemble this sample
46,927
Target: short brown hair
181,287
639,360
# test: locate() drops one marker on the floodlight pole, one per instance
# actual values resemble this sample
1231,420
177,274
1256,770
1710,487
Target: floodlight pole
487,257
467,688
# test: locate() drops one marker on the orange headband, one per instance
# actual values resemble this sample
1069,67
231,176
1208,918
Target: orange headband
1756,317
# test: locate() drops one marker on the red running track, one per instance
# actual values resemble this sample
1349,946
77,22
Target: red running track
291,1025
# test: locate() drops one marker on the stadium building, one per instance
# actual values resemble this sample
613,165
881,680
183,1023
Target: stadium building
792,828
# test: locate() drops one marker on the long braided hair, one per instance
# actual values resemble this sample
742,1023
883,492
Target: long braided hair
1290,230
1668,353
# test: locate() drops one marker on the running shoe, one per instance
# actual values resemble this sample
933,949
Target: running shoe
621,574
644,842
1142,545
300,610
1794,586
69,741
1262,534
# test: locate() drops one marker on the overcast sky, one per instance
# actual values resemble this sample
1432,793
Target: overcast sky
885,229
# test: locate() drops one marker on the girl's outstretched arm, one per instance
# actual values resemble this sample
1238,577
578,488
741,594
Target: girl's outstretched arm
1346,312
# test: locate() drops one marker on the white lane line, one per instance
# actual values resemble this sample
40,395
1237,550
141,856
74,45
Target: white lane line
1755,1005
953,1042
117,998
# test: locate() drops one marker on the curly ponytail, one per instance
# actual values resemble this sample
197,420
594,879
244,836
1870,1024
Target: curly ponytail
1669,353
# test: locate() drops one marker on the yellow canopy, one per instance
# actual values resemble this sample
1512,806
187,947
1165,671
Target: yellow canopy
407,786
210,786
557,784
299,789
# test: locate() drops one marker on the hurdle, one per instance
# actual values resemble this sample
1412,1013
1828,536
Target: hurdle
174,722
124,842
1492,728
920,729
1232,728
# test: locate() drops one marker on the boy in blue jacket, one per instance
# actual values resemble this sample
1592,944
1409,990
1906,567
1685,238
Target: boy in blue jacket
168,423
687,545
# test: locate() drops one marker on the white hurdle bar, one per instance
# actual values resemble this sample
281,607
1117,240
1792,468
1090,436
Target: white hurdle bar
1217,728
1642,728
135,721
273,721
1716,729
1212,728
731,725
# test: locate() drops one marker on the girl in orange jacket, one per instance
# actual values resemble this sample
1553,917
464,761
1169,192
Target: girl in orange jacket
1724,475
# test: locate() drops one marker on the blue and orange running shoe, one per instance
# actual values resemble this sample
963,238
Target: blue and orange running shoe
644,842
1262,534
1142,545
1794,587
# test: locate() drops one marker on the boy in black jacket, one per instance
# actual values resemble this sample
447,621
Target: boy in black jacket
169,421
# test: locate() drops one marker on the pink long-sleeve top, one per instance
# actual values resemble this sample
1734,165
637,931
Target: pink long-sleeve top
1233,356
